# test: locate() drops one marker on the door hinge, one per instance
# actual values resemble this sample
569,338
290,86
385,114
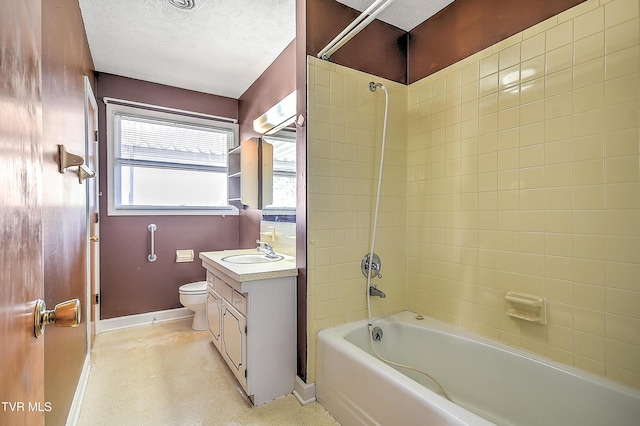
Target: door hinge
245,329
245,373
95,135
97,217
97,299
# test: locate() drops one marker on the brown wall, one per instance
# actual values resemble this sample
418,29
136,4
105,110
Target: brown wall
468,26
129,284
379,49
66,60
276,82
461,29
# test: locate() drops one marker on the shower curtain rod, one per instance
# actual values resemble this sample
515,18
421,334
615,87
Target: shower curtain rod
354,28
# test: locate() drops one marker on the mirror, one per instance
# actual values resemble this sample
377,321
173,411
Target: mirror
278,129
278,224
283,208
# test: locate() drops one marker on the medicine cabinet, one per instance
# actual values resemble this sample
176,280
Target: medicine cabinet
250,174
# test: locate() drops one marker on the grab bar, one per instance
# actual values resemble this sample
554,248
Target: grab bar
152,228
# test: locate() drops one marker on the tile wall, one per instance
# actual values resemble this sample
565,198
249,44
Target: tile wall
523,174
281,235
345,122
517,168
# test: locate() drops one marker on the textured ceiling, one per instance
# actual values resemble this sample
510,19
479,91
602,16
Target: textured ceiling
221,47
404,14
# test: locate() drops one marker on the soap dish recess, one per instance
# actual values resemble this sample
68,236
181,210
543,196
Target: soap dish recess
527,307
184,256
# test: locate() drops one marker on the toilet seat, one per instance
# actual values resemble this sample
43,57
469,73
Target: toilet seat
199,287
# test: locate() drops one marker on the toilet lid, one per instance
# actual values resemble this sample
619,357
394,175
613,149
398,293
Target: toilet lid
194,288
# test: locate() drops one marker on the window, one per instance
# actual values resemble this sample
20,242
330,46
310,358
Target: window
164,163
284,173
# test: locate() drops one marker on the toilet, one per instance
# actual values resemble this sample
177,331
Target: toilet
194,296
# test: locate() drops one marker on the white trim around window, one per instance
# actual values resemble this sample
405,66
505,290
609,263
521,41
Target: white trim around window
140,164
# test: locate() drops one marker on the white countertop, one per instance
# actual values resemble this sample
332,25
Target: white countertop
252,271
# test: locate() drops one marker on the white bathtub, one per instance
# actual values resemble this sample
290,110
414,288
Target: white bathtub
490,383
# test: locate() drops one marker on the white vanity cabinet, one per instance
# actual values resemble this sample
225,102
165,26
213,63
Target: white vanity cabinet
228,325
251,314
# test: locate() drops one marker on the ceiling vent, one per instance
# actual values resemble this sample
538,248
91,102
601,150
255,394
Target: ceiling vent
183,4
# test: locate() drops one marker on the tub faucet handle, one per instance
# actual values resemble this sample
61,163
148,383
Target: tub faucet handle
374,270
371,266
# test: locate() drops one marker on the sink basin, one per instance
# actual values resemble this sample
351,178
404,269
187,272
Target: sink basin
251,258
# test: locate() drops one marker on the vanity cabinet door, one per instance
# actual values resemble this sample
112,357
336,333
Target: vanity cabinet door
234,342
214,316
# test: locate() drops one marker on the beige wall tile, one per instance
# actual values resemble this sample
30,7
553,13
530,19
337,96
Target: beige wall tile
588,48
488,65
514,169
559,59
588,23
621,36
619,11
532,47
589,73
532,69
559,35
622,62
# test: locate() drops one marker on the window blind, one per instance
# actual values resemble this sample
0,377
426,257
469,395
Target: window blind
145,140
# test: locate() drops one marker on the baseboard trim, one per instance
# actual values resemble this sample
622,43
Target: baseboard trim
142,319
305,393
78,397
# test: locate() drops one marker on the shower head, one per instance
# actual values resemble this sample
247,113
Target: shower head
373,86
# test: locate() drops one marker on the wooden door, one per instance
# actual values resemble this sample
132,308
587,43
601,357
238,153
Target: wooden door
93,205
21,262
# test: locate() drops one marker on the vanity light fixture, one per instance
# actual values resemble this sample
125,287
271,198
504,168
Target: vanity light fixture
183,4
277,117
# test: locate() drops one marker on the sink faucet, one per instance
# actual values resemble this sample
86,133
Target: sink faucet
375,291
267,249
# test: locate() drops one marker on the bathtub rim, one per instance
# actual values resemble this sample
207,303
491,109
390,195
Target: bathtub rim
335,338
409,317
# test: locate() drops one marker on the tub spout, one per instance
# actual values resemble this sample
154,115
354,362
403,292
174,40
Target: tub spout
375,291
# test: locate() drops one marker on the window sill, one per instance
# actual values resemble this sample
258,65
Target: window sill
230,211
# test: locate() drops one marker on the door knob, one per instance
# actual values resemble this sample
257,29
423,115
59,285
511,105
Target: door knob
65,314
94,238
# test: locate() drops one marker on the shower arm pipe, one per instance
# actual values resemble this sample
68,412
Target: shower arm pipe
152,229
354,27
